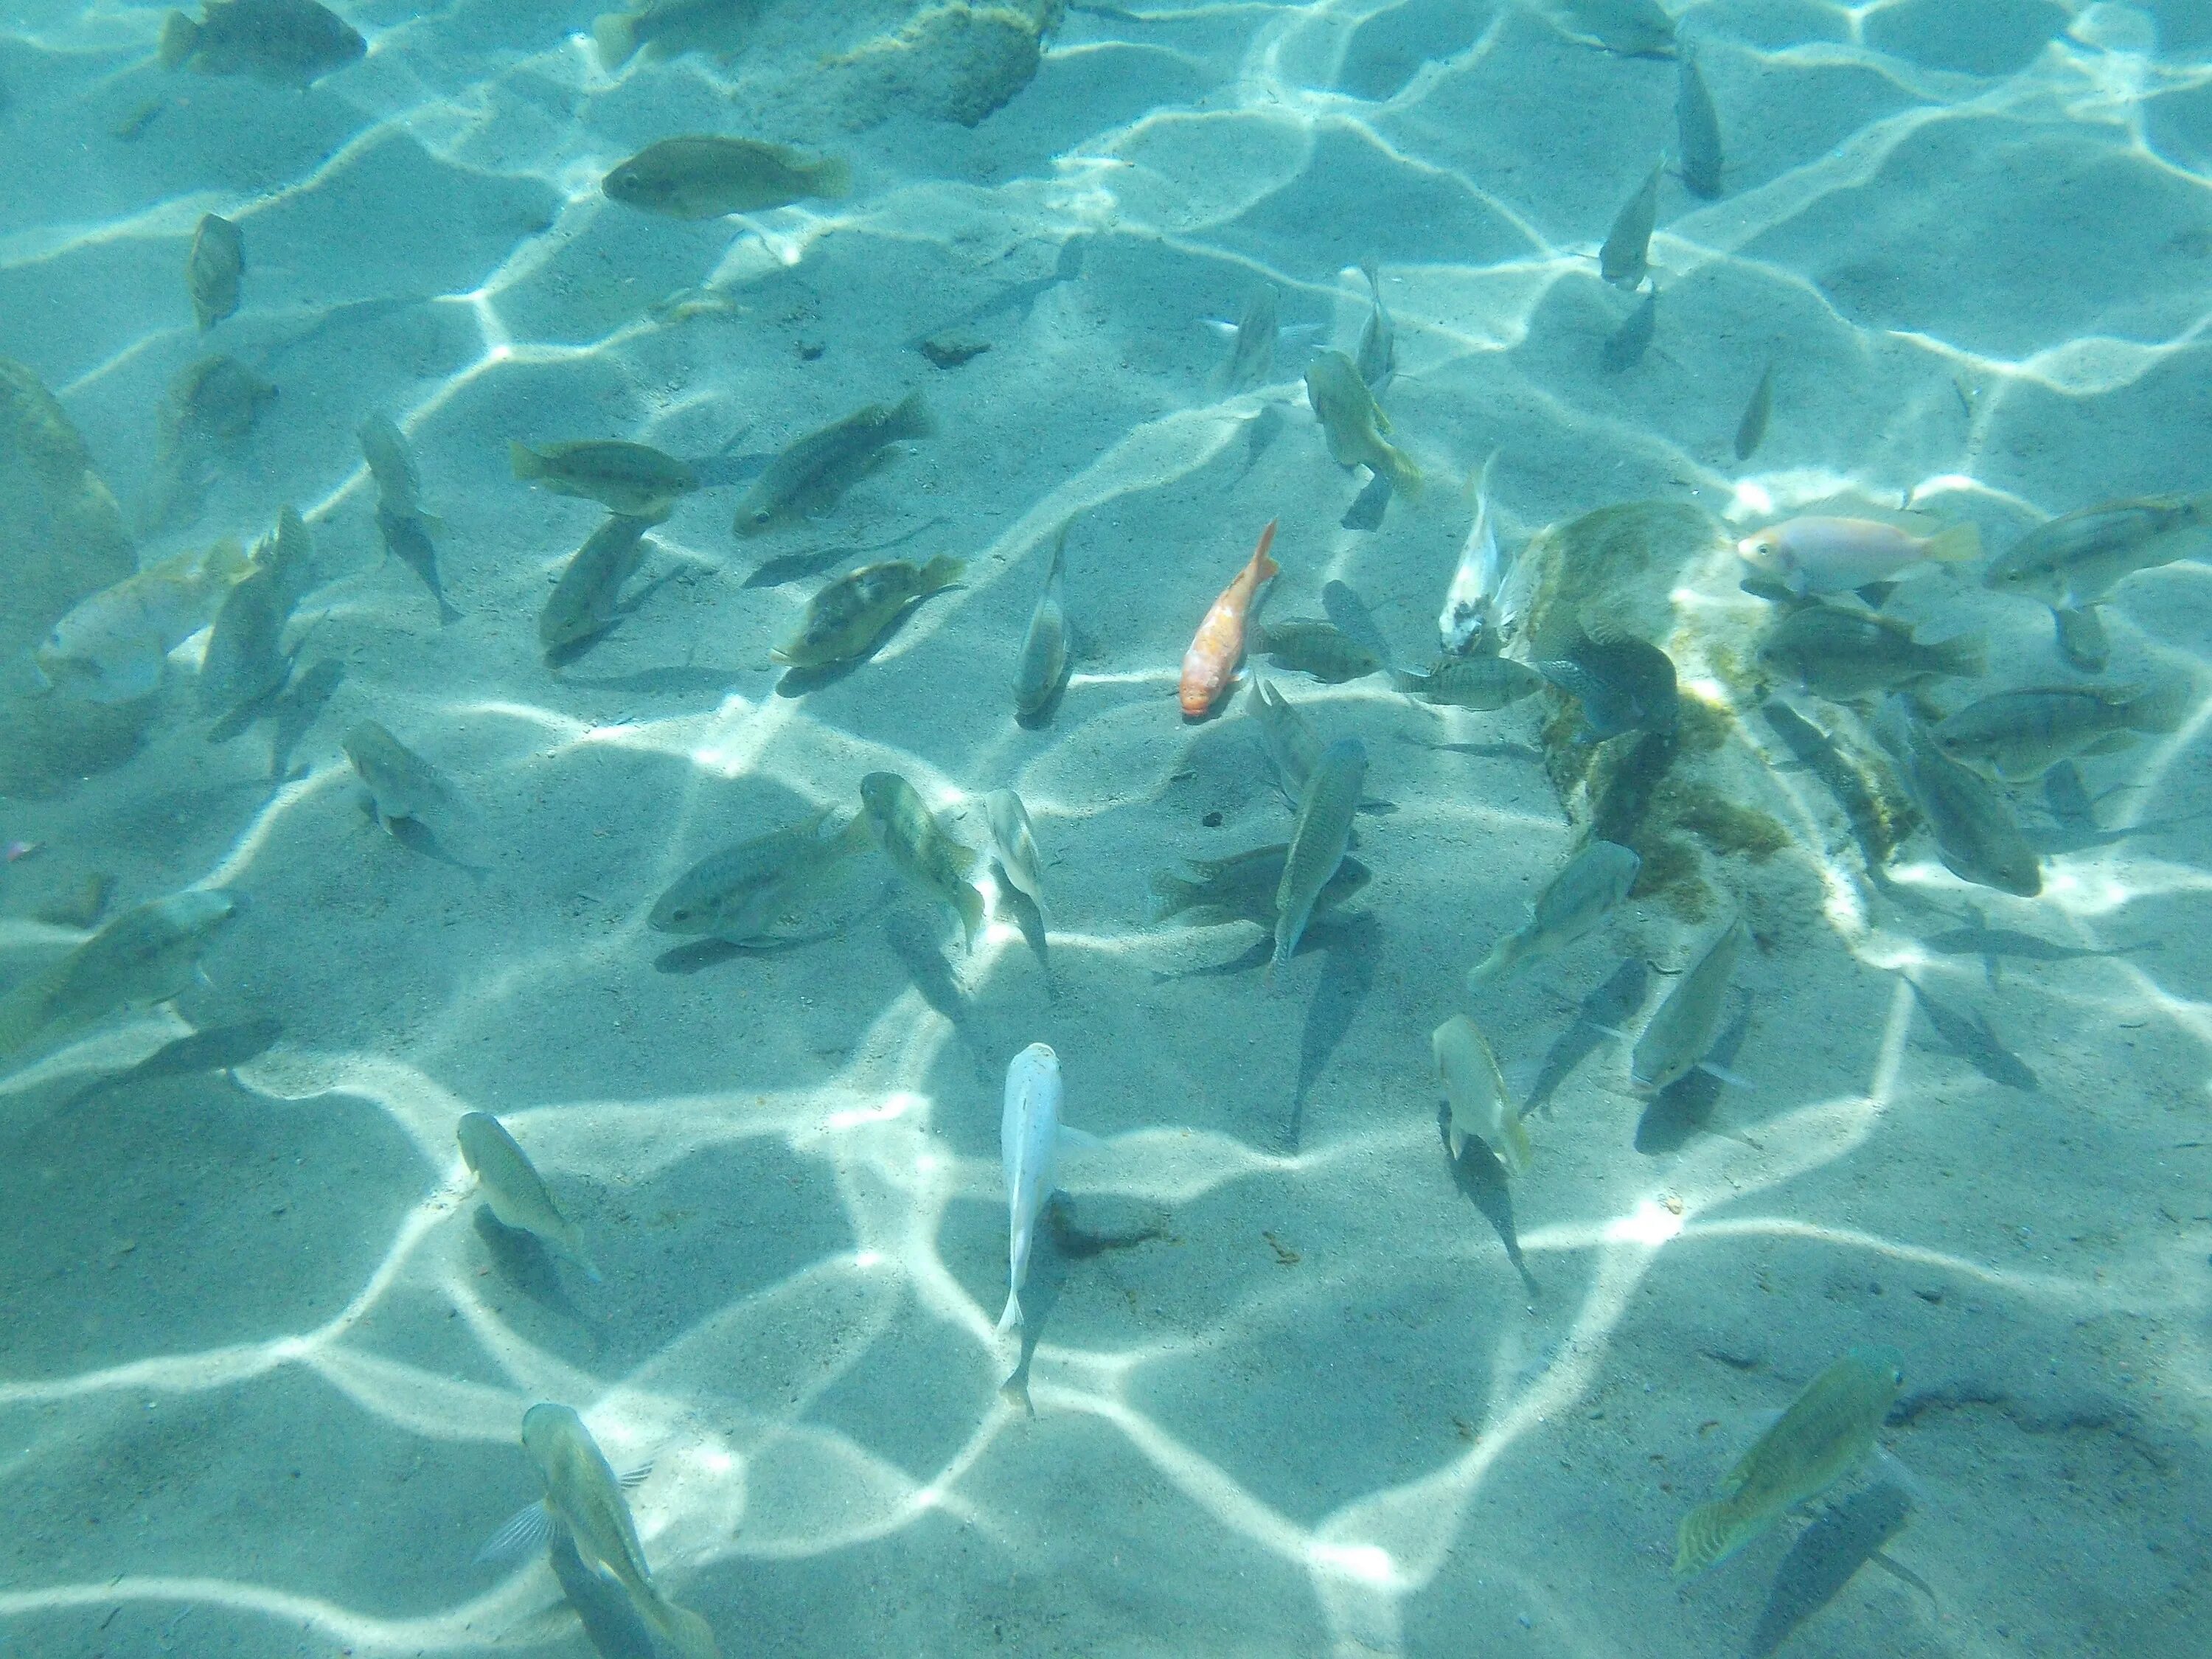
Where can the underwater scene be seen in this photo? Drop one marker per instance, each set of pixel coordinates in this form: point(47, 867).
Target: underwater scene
point(930, 827)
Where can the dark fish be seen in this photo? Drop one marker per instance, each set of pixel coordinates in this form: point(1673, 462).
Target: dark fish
point(2081, 638)
point(1603, 1013)
point(1751, 430)
point(1966, 1034)
point(810, 476)
point(1367, 507)
point(289, 42)
point(587, 601)
point(1625, 347)
point(1319, 648)
point(1471, 682)
point(845, 620)
point(1976, 835)
point(1697, 127)
point(407, 539)
point(1626, 255)
point(1842, 653)
point(707, 176)
point(1623, 683)
point(213, 268)
point(218, 1049)
point(2066, 798)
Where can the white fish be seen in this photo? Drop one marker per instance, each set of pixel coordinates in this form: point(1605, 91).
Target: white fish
point(1475, 585)
point(110, 647)
point(1015, 845)
point(1030, 1140)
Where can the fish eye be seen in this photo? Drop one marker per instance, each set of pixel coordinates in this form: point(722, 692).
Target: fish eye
point(761, 515)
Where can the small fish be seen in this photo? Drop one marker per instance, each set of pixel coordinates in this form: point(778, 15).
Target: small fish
point(1622, 683)
point(747, 894)
point(1218, 645)
point(1319, 648)
point(1378, 336)
point(1252, 355)
point(407, 539)
point(1820, 1438)
point(845, 620)
point(1353, 423)
point(392, 464)
point(1243, 888)
point(1471, 682)
point(1573, 902)
point(1968, 1036)
point(1751, 430)
point(1291, 744)
point(1481, 1109)
point(807, 479)
point(1843, 652)
point(1625, 347)
point(1681, 1029)
point(1634, 28)
point(1833, 556)
point(911, 837)
point(584, 1499)
point(1698, 129)
point(587, 601)
point(245, 659)
point(1976, 836)
point(515, 1192)
point(2016, 737)
point(2081, 638)
point(635, 479)
point(706, 177)
point(1032, 1139)
point(669, 28)
point(2077, 559)
point(286, 42)
point(1479, 575)
point(213, 270)
point(1015, 844)
point(109, 647)
point(1626, 257)
point(146, 956)
point(401, 783)
point(1041, 667)
point(1319, 842)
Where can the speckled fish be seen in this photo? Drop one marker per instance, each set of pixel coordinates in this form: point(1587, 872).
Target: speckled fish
point(1479, 575)
point(1481, 1109)
point(407, 539)
point(1621, 682)
point(1471, 682)
point(587, 598)
point(844, 620)
point(808, 477)
point(1820, 1438)
point(1218, 645)
point(1844, 653)
point(109, 647)
point(1680, 1030)
point(706, 177)
point(2018, 735)
point(1751, 429)
point(213, 270)
point(143, 956)
point(1242, 888)
point(1634, 28)
point(1042, 666)
point(286, 42)
point(911, 837)
point(401, 783)
point(390, 464)
point(515, 1192)
point(1319, 842)
point(1252, 354)
point(634, 479)
point(1321, 649)
point(1378, 336)
point(583, 1497)
point(1014, 844)
point(1573, 902)
point(1976, 836)
point(2077, 559)
point(747, 894)
point(1626, 255)
point(1291, 744)
point(1817, 554)
point(245, 661)
point(1696, 129)
point(1354, 424)
point(668, 29)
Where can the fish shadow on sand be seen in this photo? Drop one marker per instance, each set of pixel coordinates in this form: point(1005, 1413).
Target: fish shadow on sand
point(1605, 1010)
point(915, 944)
point(672, 682)
point(701, 954)
point(1030, 921)
point(797, 682)
point(1067, 1236)
point(1479, 750)
point(418, 838)
point(1685, 1107)
point(522, 1260)
point(1352, 945)
point(1967, 1033)
point(1826, 1557)
point(1477, 1173)
point(611, 1622)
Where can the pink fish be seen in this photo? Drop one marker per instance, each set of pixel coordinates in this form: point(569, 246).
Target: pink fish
point(1833, 556)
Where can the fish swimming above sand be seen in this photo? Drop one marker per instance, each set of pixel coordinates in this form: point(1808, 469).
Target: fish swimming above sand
point(1251, 357)
point(213, 270)
point(2077, 559)
point(1032, 1139)
point(390, 464)
point(1319, 842)
point(1354, 423)
point(1013, 843)
point(1291, 744)
point(1751, 429)
point(2016, 737)
point(1308, 645)
point(286, 42)
point(634, 479)
point(1572, 904)
point(1697, 128)
point(245, 659)
point(109, 647)
point(1476, 580)
point(912, 838)
point(516, 1193)
point(1825, 1433)
point(749, 894)
point(1481, 1109)
point(587, 601)
point(1377, 357)
point(1842, 653)
point(407, 539)
point(846, 619)
point(1242, 887)
point(706, 177)
point(668, 29)
point(1976, 836)
point(807, 479)
point(1681, 1030)
point(1816, 555)
point(1484, 682)
point(146, 956)
point(1040, 668)
point(1624, 258)
point(1218, 645)
point(402, 785)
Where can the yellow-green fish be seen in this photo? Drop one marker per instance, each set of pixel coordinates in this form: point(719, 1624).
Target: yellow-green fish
point(245, 661)
point(632, 479)
point(911, 837)
point(392, 464)
point(1307, 644)
point(746, 894)
point(1014, 844)
point(2018, 735)
point(1682, 1028)
point(289, 42)
point(214, 268)
point(2077, 559)
point(668, 29)
point(1976, 836)
point(1822, 1436)
point(143, 956)
point(705, 177)
point(1319, 842)
point(1353, 423)
point(806, 480)
point(1481, 1109)
point(846, 618)
point(110, 647)
point(515, 1192)
point(586, 599)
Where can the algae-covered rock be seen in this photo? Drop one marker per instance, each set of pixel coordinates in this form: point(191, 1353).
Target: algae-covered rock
point(952, 60)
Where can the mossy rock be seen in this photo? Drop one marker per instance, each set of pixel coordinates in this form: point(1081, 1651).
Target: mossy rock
point(953, 61)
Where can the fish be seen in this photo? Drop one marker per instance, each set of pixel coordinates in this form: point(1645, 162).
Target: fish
point(1481, 1109)
point(2077, 559)
point(1850, 776)
point(669, 28)
point(390, 464)
point(1218, 645)
point(109, 647)
point(1041, 668)
point(1242, 887)
point(634, 479)
point(1291, 744)
point(845, 620)
point(402, 785)
point(1634, 28)
point(218, 1049)
point(1820, 1438)
point(1015, 844)
point(1680, 1030)
point(1696, 129)
point(245, 659)
point(1626, 257)
point(1315, 647)
point(1625, 347)
point(286, 42)
point(2016, 737)
point(1842, 653)
point(146, 956)
point(1476, 580)
point(1032, 1139)
point(1378, 336)
point(583, 1497)
point(407, 539)
point(1252, 354)
point(1581, 896)
point(746, 894)
point(1471, 682)
point(807, 478)
point(586, 599)
point(2081, 638)
point(516, 1193)
point(1623, 683)
point(212, 401)
point(911, 837)
point(696, 177)
point(1319, 842)
point(1353, 423)
point(1817, 554)
point(1751, 430)
point(213, 270)
point(1976, 836)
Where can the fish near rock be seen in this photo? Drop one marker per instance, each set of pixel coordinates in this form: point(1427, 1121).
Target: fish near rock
point(636, 480)
point(1477, 577)
point(288, 43)
point(708, 177)
point(586, 599)
point(807, 479)
point(516, 1193)
point(1354, 424)
point(2016, 737)
point(1572, 904)
point(1681, 1030)
point(911, 837)
point(1041, 669)
point(146, 956)
point(1976, 836)
point(1481, 1108)
point(1842, 653)
point(110, 647)
point(1622, 683)
point(214, 269)
point(844, 621)
point(1319, 842)
point(1816, 555)
point(748, 893)
point(1218, 645)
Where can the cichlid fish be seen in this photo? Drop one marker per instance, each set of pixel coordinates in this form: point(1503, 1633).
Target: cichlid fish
point(746, 894)
point(407, 539)
point(911, 837)
point(213, 270)
point(146, 956)
point(1031, 1137)
point(1840, 652)
point(1319, 648)
point(1481, 1109)
point(1252, 354)
point(668, 29)
point(515, 1192)
point(1697, 128)
point(1015, 844)
point(1041, 667)
point(1976, 835)
point(1572, 904)
point(390, 464)
point(1291, 744)
point(635, 479)
point(699, 177)
point(1218, 645)
point(1378, 336)
point(1626, 257)
point(2077, 559)
point(2081, 638)
point(587, 598)
point(1833, 556)
point(1353, 423)
point(1623, 683)
point(1634, 28)
point(1820, 1438)
point(1681, 1029)
point(1751, 430)
point(245, 661)
point(1479, 575)
point(109, 646)
point(1625, 347)
point(807, 478)
point(2016, 737)
point(1471, 682)
point(583, 1497)
point(1243, 888)
point(401, 783)
point(844, 621)
point(1319, 842)
point(287, 42)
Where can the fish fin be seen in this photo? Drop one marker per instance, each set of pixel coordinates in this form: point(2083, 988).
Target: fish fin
point(942, 572)
point(615, 34)
point(1708, 1534)
point(1959, 543)
point(969, 903)
point(912, 418)
point(1079, 1139)
point(833, 178)
point(684, 1629)
point(526, 1533)
point(1455, 1140)
point(1011, 1319)
point(2163, 707)
point(180, 35)
point(1261, 562)
point(1409, 682)
point(526, 461)
point(1723, 1075)
point(1169, 894)
point(1963, 655)
point(631, 1479)
point(1503, 955)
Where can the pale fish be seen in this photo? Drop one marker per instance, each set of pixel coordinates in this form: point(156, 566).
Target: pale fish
point(515, 1192)
point(1697, 128)
point(1031, 1137)
point(2078, 558)
point(1681, 1029)
point(747, 894)
point(1479, 575)
point(1319, 842)
point(587, 601)
point(1572, 904)
point(1041, 668)
point(2018, 735)
point(146, 956)
point(1014, 844)
point(1481, 1110)
point(1816, 555)
point(1634, 28)
point(392, 464)
point(109, 648)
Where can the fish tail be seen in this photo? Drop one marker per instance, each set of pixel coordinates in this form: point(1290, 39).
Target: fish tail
point(969, 903)
point(2163, 707)
point(614, 33)
point(1708, 1536)
point(1962, 543)
point(1518, 1152)
point(1503, 955)
point(1404, 476)
point(942, 572)
point(1171, 893)
point(1964, 656)
point(180, 35)
point(833, 177)
point(1262, 566)
point(682, 1629)
point(527, 462)
point(910, 419)
point(1011, 1318)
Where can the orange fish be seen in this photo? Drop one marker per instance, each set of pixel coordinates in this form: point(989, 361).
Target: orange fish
point(1214, 653)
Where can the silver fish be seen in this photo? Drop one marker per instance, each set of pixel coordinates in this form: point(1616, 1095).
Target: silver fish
point(1377, 357)
point(1014, 844)
point(910, 835)
point(1479, 575)
point(1252, 356)
point(1976, 835)
point(2018, 735)
point(146, 956)
point(392, 464)
point(2077, 559)
point(1319, 842)
point(1293, 747)
point(1681, 1030)
point(746, 894)
point(1472, 682)
point(515, 1192)
point(1572, 904)
point(1042, 664)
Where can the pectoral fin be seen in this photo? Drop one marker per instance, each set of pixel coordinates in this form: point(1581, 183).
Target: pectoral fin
point(525, 1534)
